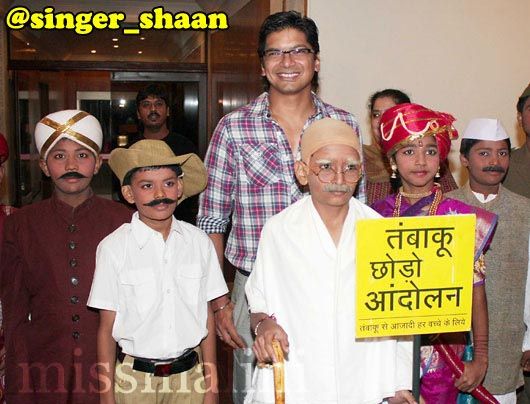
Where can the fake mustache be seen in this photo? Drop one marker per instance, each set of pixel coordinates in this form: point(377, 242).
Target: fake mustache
point(338, 188)
point(154, 202)
point(71, 174)
point(497, 169)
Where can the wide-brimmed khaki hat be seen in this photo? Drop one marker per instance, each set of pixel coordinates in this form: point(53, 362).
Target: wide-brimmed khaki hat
point(155, 153)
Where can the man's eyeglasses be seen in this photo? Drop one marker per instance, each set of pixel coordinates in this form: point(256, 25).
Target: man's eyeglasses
point(326, 173)
point(296, 53)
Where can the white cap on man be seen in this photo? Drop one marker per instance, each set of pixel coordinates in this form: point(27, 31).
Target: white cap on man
point(485, 129)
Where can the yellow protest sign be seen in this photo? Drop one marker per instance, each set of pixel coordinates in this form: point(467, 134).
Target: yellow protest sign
point(414, 275)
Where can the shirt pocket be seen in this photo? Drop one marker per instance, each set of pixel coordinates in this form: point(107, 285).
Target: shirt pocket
point(261, 163)
point(190, 284)
point(139, 290)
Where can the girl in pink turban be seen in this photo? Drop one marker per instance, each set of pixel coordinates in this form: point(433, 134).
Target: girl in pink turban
point(417, 140)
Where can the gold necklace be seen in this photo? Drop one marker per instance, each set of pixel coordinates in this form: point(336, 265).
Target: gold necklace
point(432, 209)
point(414, 196)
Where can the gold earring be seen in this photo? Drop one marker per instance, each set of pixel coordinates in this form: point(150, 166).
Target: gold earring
point(394, 171)
point(437, 175)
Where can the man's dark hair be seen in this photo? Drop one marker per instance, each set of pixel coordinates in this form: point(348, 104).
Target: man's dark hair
point(521, 102)
point(399, 97)
point(467, 144)
point(127, 179)
point(154, 90)
point(283, 20)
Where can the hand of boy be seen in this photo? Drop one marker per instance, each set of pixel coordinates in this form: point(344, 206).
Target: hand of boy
point(269, 330)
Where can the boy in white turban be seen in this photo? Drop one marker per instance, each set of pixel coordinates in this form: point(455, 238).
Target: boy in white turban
point(47, 268)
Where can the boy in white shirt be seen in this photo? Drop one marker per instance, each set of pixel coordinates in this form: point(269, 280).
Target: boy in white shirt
point(153, 282)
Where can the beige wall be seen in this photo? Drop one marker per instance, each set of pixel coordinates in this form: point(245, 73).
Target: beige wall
point(467, 57)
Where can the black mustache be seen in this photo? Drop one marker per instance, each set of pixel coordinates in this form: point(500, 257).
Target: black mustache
point(154, 202)
point(71, 174)
point(497, 169)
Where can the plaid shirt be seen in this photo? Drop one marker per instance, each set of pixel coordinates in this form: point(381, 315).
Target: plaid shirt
point(251, 175)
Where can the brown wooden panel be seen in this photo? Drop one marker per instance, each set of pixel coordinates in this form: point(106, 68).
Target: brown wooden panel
point(234, 67)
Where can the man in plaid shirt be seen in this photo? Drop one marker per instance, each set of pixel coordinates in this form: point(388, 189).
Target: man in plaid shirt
point(250, 162)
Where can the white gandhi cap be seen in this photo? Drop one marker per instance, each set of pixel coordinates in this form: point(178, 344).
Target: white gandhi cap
point(485, 129)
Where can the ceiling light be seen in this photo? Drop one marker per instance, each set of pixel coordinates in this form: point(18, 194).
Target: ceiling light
point(114, 39)
point(116, 46)
point(93, 51)
point(140, 52)
point(142, 38)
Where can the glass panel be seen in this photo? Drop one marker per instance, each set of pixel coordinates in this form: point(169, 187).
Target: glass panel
point(34, 93)
point(97, 103)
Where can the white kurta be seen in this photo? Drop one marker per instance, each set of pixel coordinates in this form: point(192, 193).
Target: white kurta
point(308, 283)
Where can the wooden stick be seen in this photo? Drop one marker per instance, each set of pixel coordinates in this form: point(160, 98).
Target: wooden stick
point(279, 374)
